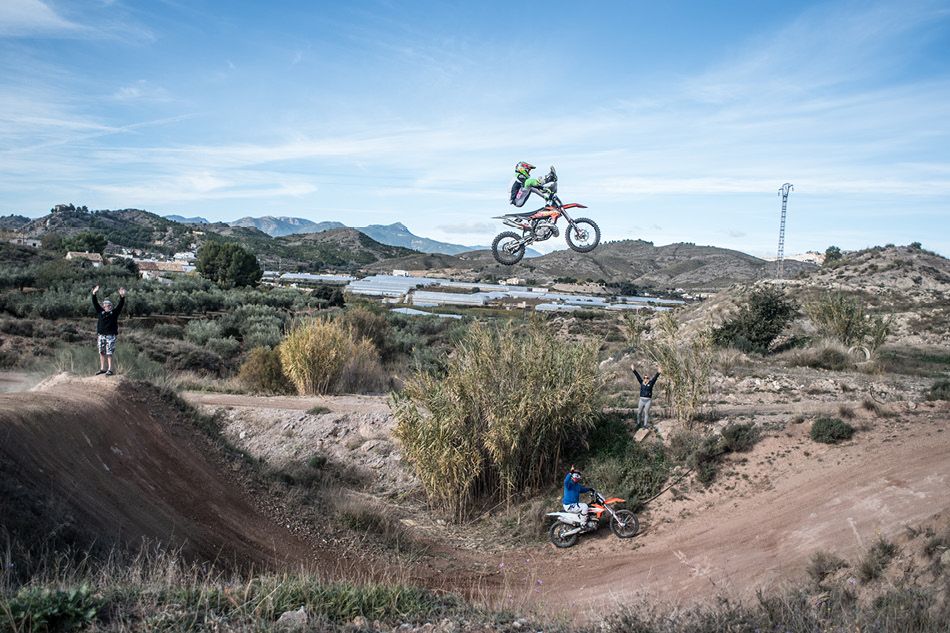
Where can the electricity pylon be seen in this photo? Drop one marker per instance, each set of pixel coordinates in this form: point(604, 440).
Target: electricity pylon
point(780, 260)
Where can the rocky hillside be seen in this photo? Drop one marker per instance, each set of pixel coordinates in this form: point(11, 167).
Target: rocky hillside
point(339, 248)
point(908, 283)
point(280, 226)
point(688, 266)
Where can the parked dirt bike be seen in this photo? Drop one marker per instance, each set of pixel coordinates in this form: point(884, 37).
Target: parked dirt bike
point(582, 234)
point(569, 525)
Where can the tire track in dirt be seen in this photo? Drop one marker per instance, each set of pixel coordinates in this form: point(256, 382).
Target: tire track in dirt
point(840, 502)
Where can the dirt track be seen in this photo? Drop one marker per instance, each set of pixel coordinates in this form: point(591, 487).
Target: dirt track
point(837, 498)
point(116, 466)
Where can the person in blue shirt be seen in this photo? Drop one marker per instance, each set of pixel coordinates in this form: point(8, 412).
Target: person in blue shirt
point(572, 493)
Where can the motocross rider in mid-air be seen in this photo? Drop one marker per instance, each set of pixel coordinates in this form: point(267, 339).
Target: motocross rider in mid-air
point(524, 184)
point(572, 493)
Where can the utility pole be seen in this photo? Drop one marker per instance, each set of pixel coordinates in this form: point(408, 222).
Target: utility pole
point(780, 260)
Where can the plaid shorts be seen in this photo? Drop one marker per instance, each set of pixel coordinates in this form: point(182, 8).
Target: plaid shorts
point(107, 344)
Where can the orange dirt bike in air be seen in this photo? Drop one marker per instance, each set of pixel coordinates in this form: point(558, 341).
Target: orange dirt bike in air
point(569, 525)
point(582, 234)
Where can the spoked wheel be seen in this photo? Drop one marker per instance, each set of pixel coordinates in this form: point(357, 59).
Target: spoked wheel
point(627, 526)
point(583, 236)
point(507, 248)
point(556, 533)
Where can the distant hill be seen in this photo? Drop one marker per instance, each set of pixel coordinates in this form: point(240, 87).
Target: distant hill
point(13, 222)
point(337, 248)
point(688, 266)
point(283, 225)
point(184, 220)
point(132, 228)
point(396, 234)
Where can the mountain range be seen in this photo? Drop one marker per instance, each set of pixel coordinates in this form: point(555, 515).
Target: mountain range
point(395, 234)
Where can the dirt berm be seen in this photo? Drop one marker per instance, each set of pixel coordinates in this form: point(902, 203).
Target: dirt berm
point(106, 463)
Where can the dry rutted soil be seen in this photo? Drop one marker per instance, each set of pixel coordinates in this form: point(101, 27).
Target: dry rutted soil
point(107, 462)
point(770, 511)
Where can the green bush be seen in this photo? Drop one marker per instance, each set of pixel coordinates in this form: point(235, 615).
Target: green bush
point(740, 437)
point(759, 322)
point(844, 318)
point(495, 425)
point(169, 330)
point(226, 348)
point(200, 331)
point(705, 460)
point(831, 430)
point(940, 390)
point(46, 609)
point(262, 372)
point(636, 475)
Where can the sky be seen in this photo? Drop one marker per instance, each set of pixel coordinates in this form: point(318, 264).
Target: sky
point(672, 121)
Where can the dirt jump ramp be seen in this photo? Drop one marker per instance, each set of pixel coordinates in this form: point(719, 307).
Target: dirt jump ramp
point(103, 462)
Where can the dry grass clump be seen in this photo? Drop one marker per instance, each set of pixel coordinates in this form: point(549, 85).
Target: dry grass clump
point(823, 564)
point(497, 422)
point(262, 372)
point(320, 355)
point(685, 364)
point(824, 354)
point(876, 559)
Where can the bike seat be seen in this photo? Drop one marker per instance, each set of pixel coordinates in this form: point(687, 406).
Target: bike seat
point(522, 214)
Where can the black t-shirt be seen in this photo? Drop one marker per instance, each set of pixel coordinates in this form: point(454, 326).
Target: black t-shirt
point(108, 323)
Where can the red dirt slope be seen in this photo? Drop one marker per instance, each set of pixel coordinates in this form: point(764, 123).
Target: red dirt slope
point(112, 462)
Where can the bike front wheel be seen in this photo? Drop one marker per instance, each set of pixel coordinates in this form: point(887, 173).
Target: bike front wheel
point(508, 248)
point(624, 524)
point(583, 235)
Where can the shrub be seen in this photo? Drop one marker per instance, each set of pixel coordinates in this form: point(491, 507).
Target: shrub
point(685, 366)
point(362, 372)
point(832, 255)
point(169, 330)
point(369, 325)
point(758, 322)
point(262, 372)
point(844, 319)
point(226, 348)
point(46, 609)
point(315, 353)
point(705, 459)
point(318, 410)
point(846, 412)
point(200, 331)
point(876, 559)
point(831, 430)
point(825, 354)
point(682, 444)
point(636, 475)
point(497, 423)
point(823, 564)
point(940, 390)
point(740, 437)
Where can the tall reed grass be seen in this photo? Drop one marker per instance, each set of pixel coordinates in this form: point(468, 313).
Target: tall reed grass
point(686, 365)
point(497, 423)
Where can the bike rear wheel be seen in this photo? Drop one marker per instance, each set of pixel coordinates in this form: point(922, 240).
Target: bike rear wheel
point(556, 534)
point(627, 526)
point(583, 236)
point(507, 248)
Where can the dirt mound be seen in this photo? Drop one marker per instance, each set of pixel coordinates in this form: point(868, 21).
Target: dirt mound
point(103, 463)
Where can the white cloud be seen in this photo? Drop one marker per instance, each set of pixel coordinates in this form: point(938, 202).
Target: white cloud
point(19, 18)
point(141, 90)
